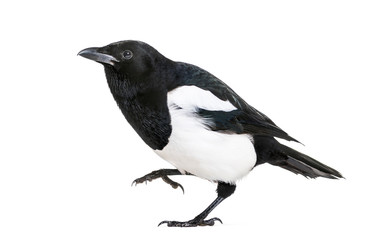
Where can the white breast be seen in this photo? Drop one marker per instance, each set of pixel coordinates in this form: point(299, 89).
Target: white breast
point(196, 149)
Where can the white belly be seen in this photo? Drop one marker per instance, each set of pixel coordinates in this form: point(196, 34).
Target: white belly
point(211, 155)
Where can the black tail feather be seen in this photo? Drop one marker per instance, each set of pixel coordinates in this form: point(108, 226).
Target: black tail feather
point(269, 150)
point(300, 163)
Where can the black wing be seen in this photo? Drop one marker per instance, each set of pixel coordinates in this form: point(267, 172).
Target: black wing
point(237, 121)
point(244, 120)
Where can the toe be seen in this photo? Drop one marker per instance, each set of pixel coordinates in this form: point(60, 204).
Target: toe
point(211, 221)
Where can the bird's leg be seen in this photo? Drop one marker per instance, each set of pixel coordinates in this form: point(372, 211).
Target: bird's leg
point(224, 190)
point(163, 174)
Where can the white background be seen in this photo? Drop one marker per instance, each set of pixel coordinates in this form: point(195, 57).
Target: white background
point(68, 157)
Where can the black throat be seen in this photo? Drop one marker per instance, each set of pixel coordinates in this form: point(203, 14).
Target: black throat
point(143, 105)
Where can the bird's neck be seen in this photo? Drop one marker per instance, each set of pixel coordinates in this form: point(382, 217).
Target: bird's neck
point(144, 108)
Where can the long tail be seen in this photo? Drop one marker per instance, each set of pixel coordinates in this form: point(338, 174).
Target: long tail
point(300, 163)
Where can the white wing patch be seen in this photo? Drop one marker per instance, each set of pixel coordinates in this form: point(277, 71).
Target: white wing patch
point(196, 149)
point(192, 97)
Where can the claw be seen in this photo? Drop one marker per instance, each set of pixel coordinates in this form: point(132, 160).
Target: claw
point(173, 184)
point(134, 182)
point(145, 179)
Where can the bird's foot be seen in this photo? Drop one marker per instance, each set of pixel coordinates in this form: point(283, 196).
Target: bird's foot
point(158, 174)
point(192, 223)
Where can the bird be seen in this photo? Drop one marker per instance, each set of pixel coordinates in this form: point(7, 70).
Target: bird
point(196, 122)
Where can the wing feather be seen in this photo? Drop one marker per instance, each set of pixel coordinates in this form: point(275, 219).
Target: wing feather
point(244, 119)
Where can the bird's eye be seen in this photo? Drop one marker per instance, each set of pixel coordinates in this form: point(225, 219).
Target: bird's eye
point(127, 54)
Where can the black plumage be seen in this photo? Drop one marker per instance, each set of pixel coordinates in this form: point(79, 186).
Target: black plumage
point(144, 82)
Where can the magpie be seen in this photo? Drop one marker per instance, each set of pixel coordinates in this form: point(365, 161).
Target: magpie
point(196, 122)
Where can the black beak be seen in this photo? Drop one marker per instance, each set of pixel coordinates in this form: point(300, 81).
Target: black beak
point(94, 54)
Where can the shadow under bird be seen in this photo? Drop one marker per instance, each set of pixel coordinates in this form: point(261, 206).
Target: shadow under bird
point(195, 121)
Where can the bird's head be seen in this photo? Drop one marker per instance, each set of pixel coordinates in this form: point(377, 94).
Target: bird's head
point(130, 66)
point(132, 58)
